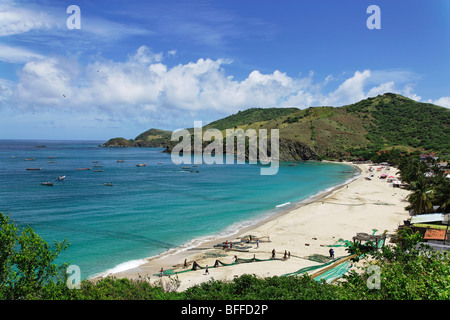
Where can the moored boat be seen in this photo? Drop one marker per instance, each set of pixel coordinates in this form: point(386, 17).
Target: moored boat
point(48, 183)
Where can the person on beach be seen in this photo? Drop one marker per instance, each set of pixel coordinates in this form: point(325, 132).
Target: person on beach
point(185, 263)
point(206, 270)
point(161, 272)
point(331, 253)
point(194, 265)
point(273, 254)
point(257, 243)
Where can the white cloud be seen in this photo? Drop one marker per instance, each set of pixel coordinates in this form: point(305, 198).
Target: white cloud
point(15, 20)
point(443, 102)
point(143, 88)
point(17, 55)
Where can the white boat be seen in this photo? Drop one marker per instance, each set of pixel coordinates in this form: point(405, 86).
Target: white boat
point(61, 178)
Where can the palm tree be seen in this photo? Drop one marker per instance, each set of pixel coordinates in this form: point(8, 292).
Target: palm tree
point(420, 198)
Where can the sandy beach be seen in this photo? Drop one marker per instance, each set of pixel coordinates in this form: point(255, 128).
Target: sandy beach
point(305, 230)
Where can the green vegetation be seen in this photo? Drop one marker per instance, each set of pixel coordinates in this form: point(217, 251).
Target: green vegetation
point(249, 117)
point(26, 268)
point(359, 130)
point(153, 138)
point(428, 184)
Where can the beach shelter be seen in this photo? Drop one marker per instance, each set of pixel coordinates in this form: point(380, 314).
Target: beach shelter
point(429, 218)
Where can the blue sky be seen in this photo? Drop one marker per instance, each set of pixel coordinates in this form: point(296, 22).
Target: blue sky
point(135, 65)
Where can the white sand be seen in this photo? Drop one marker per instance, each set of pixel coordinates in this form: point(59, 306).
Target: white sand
point(360, 206)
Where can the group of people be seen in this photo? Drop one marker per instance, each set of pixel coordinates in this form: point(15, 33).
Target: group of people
point(287, 254)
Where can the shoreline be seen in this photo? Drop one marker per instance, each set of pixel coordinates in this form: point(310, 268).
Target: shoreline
point(303, 230)
point(201, 244)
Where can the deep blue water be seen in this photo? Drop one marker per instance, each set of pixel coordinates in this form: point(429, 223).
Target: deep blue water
point(148, 210)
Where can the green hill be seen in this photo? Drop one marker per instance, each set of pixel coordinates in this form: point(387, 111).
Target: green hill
point(370, 125)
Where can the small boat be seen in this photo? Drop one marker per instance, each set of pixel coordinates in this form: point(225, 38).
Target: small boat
point(47, 184)
point(98, 166)
point(61, 178)
point(292, 164)
point(98, 171)
point(107, 184)
point(80, 169)
point(33, 169)
point(40, 146)
point(50, 161)
point(160, 163)
point(194, 171)
point(51, 157)
point(94, 161)
point(141, 165)
point(185, 168)
point(29, 159)
point(120, 160)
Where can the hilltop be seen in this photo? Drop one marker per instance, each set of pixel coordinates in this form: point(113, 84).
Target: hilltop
point(370, 125)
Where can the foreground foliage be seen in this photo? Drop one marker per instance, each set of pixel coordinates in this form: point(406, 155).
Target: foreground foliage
point(27, 272)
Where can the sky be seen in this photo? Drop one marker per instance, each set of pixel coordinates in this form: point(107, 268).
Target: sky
point(119, 68)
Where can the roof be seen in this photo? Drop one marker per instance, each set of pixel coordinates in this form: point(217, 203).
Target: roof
point(431, 217)
point(435, 234)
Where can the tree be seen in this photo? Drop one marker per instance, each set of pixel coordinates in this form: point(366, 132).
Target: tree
point(26, 262)
point(420, 198)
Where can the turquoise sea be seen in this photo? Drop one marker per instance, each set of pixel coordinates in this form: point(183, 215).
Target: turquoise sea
point(148, 210)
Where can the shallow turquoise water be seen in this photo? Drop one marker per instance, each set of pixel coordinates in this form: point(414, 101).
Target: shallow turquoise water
point(148, 210)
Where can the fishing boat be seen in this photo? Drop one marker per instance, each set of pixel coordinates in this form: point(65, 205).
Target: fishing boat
point(33, 169)
point(141, 165)
point(185, 168)
point(120, 160)
point(61, 178)
point(47, 183)
point(107, 184)
point(98, 170)
point(29, 159)
point(94, 161)
point(98, 166)
point(80, 169)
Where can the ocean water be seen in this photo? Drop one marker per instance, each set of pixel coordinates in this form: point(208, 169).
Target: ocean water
point(148, 210)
